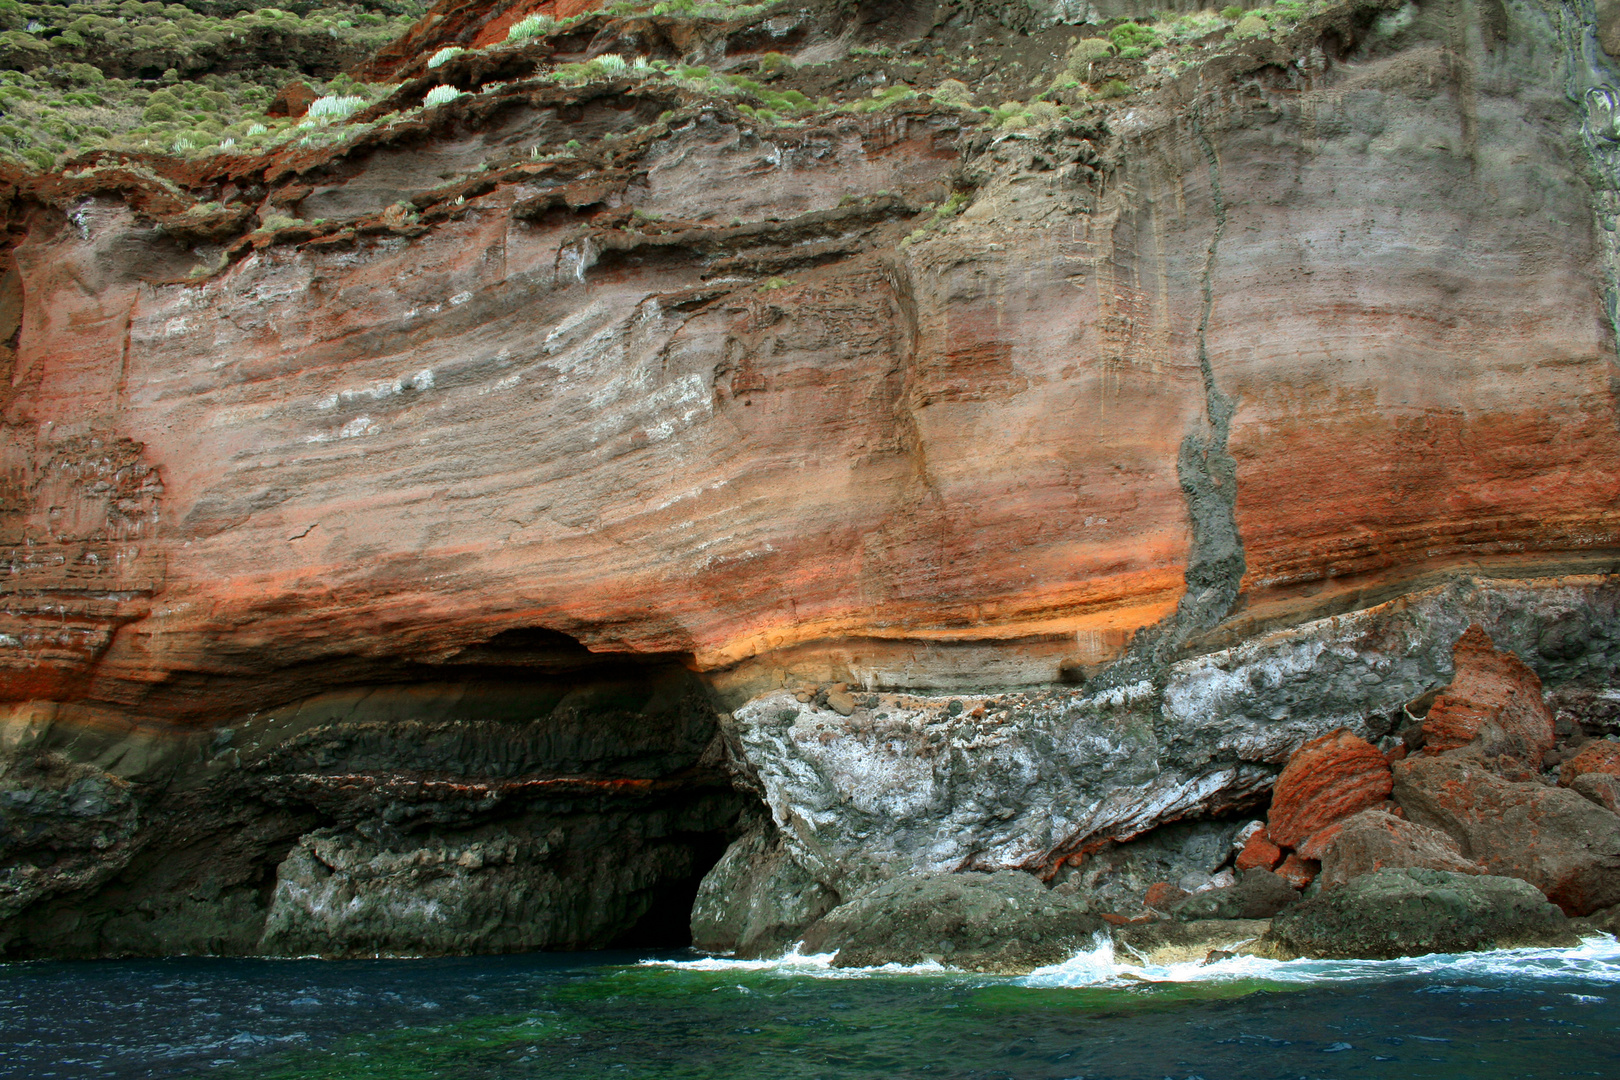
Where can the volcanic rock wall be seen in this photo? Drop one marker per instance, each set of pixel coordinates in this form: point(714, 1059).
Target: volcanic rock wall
point(1235, 399)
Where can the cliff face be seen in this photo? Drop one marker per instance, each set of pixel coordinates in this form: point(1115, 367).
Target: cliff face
point(1138, 390)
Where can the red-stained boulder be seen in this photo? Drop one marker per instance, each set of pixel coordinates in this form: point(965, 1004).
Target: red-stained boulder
point(1259, 851)
point(293, 100)
point(1492, 693)
point(1373, 840)
point(1598, 756)
point(1162, 896)
point(1327, 779)
point(1598, 787)
point(1563, 844)
point(1299, 872)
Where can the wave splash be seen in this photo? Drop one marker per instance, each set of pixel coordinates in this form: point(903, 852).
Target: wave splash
point(1594, 960)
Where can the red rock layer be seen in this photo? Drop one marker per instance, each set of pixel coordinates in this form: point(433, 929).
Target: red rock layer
point(1327, 779)
point(393, 440)
point(1490, 689)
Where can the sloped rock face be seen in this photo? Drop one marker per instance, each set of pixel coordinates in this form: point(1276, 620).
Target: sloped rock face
point(1038, 780)
point(757, 899)
point(1202, 430)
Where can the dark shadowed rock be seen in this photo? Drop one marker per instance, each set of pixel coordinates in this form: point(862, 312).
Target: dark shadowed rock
point(1297, 871)
point(293, 100)
point(1182, 855)
point(757, 899)
point(1374, 840)
point(1412, 912)
point(1258, 894)
point(1566, 846)
point(1007, 921)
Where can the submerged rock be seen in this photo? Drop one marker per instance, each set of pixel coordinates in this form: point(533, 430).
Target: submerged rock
point(1004, 922)
point(1411, 912)
point(1194, 941)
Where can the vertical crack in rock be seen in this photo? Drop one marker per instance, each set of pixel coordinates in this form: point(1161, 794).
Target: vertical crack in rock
point(1208, 475)
point(1591, 85)
point(1207, 472)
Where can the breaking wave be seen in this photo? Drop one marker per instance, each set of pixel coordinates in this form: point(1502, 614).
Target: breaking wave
point(1595, 960)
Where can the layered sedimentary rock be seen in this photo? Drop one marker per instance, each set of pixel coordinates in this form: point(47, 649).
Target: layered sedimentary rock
point(1106, 458)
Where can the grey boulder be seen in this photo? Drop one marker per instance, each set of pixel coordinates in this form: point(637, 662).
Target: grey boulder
point(1004, 922)
point(1412, 912)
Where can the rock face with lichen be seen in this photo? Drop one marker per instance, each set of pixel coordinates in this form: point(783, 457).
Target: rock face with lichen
point(498, 508)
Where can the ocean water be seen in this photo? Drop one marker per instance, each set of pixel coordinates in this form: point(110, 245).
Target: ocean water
point(1518, 1013)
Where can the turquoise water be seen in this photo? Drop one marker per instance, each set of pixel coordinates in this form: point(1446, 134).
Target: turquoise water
point(1530, 1013)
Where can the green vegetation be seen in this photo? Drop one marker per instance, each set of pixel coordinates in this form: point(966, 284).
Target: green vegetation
point(166, 77)
point(1133, 40)
point(1087, 51)
point(440, 95)
point(447, 53)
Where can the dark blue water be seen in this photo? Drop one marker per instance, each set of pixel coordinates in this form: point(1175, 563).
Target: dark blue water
point(1529, 1014)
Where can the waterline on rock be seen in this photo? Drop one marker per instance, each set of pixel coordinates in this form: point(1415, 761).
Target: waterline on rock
point(1595, 959)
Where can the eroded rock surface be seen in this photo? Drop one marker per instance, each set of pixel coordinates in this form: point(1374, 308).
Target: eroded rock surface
point(1007, 921)
point(1493, 696)
point(1326, 780)
point(1373, 840)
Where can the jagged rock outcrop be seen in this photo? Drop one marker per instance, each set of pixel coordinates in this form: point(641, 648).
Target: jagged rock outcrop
point(1495, 697)
point(1107, 449)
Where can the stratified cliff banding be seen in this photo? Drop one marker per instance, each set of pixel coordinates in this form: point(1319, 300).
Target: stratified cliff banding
point(891, 396)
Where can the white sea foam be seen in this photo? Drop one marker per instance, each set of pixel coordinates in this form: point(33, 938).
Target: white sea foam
point(794, 962)
point(1594, 960)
